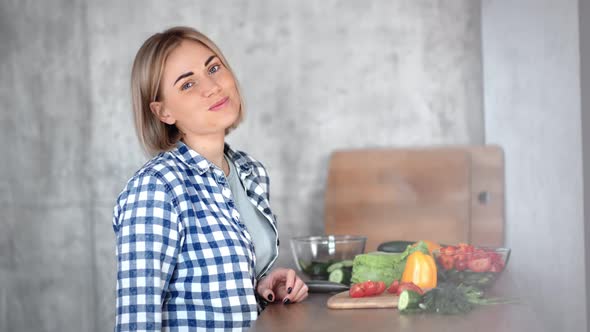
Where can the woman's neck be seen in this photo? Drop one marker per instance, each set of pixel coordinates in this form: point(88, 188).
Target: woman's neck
point(209, 146)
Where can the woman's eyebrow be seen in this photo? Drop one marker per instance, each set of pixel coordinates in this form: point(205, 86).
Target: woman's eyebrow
point(209, 59)
point(183, 76)
point(191, 73)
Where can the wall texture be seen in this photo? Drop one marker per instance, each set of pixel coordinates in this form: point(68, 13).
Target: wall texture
point(380, 73)
point(532, 108)
point(584, 8)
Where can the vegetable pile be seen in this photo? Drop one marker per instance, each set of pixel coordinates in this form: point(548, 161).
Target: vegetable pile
point(414, 276)
point(469, 265)
point(446, 299)
point(382, 266)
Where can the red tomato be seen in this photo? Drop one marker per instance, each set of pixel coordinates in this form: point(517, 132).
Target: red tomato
point(450, 250)
point(409, 286)
point(380, 287)
point(371, 288)
point(356, 291)
point(460, 265)
point(480, 254)
point(480, 264)
point(393, 287)
point(461, 257)
point(464, 247)
point(497, 266)
point(446, 261)
point(495, 257)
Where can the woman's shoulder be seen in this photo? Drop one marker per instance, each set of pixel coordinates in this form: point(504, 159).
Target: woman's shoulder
point(163, 169)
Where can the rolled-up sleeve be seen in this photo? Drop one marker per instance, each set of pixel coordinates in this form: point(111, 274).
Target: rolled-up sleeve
point(148, 234)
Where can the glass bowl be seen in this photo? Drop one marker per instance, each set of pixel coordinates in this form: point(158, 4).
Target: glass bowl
point(314, 254)
point(469, 265)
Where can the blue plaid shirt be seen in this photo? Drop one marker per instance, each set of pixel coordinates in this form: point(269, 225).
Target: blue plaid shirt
point(185, 260)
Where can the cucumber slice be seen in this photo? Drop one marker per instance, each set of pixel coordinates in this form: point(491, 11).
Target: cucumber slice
point(408, 300)
point(334, 267)
point(339, 265)
point(347, 263)
point(341, 276)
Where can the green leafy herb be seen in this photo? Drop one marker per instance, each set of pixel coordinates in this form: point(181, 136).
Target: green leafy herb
point(450, 299)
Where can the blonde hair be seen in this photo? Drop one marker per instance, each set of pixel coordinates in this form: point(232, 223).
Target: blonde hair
point(146, 74)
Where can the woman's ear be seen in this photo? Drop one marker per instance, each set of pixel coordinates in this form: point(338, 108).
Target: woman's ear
point(161, 113)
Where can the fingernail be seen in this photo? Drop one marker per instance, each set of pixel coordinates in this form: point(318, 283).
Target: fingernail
point(270, 297)
point(289, 290)
point(287, 301)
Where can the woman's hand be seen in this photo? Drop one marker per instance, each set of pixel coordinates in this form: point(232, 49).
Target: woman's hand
point(282, 285)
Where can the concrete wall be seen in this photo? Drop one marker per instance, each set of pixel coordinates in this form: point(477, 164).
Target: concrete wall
point(532, 108)
point(380, 73)
point(46, 244)
point(584, 9)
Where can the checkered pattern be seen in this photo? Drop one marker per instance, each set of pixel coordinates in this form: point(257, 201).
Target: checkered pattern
point(185, 260)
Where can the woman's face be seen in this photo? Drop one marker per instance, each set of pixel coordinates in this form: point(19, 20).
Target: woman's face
point(198, 93)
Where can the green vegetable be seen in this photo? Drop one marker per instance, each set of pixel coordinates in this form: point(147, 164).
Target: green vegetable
point(394, 246)
point(317, 270)
point(450, 299)
point(339, 265)
point(377, 266)
point(469, 278)
point(408, 300)
point(341, 276)
point(420, 246)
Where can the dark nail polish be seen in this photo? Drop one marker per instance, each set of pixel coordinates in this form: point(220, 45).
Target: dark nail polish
point(289, 290)
point(287, 301)
point(270, 297)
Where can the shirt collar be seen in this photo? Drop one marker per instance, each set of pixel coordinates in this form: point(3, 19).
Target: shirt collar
point(239, 160)
point(191, 158)
point(195, 160)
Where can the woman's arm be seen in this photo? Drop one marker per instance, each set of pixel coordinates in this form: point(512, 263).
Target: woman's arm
point(148, 235)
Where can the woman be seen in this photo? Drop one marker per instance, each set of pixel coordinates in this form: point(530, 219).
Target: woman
point(196, 237)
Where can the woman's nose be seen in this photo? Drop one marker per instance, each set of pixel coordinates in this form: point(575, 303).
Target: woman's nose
point(210, 87)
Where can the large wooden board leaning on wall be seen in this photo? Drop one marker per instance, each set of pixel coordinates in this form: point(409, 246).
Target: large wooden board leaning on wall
point(445, 194)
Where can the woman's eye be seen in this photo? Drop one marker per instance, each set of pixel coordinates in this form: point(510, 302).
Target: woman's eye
point(214, 69)
point(187, 85)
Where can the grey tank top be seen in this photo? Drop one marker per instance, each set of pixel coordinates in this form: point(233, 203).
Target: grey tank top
point(262, 233)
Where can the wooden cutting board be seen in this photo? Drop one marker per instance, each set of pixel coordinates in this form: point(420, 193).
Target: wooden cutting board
point(344, 301)
point(445, 194)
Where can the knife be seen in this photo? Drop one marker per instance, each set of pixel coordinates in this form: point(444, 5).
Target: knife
point(323, 286)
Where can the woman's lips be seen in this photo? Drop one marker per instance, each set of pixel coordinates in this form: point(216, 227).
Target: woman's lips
point(219, 105)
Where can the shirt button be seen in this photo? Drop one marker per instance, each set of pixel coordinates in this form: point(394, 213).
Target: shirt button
point(221, 180)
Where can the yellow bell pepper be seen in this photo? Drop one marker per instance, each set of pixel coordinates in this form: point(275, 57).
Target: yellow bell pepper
point(421, 270)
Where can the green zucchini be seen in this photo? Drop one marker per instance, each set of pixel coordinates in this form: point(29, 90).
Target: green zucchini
point(394, 246)
point(408, 300)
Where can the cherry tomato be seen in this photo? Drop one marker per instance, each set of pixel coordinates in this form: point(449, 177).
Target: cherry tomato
point(446, 261)
point(393, 287)
point(461, 257)
point(460, 265)
point(356, 291)
point(380, 287)
point(371, 288)
point(465, 247)
point(495, 257)
point(450, 250)
point(480, 264)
